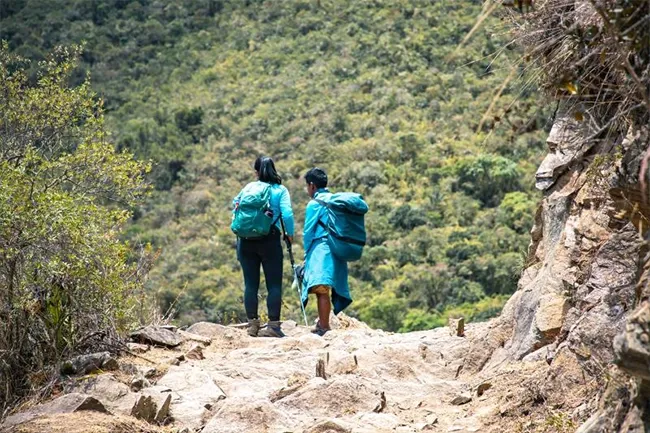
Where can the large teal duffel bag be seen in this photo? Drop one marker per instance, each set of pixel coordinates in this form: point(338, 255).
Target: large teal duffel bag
point(345, 224)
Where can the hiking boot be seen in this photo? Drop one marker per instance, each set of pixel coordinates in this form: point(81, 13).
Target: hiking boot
point(273, 329)
point(253, 327)
point(319, 330)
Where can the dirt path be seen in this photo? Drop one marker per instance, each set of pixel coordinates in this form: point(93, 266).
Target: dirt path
point(374, 381)
point(352, 380)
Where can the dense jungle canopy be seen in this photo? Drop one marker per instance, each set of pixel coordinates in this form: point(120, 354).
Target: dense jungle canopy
point(440, 134)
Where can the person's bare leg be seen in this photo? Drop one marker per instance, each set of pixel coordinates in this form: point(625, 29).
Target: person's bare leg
point(324, 308)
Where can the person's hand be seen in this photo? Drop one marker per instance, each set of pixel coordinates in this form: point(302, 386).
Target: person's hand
point(290, 239)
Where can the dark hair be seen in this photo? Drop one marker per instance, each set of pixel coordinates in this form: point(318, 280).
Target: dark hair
point(266, 172)
point(317, 176)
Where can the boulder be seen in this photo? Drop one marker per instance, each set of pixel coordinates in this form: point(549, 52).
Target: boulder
point(151, 404)
point(156, 335)
point(162, 398)
point(550, 315)
point(105, 388)
point(189, 336)
point(68, 403)
point(209, 330)
point(90, 363)
point(585, 250)
point(193, 390)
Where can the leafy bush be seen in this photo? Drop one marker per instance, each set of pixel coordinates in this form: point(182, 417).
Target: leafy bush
point(66, 280)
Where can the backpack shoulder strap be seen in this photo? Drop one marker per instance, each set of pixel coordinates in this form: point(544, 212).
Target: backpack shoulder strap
point(322, 203)
point(326, 206)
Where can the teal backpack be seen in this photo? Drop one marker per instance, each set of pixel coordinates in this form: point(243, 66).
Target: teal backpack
point(345, 224)
point(253, 216)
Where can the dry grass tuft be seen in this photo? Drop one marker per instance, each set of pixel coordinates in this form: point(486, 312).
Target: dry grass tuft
point(594, 54)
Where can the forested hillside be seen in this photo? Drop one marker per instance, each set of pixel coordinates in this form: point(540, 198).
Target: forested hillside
point(440, 136)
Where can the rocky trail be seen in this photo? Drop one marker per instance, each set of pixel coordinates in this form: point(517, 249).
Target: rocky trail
point(217, 379)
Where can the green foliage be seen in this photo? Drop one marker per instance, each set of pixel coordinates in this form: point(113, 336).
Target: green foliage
point(367, 90)
point(418, 320)
point(65, 277)
point(487, 177)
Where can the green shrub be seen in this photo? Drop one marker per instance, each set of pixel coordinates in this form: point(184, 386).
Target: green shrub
point(66, 280)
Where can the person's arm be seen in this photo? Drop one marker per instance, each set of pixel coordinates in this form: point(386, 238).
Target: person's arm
point(312, 215)
point(287, 212)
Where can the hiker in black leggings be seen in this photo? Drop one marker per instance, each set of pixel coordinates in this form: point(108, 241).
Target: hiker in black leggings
point(267, 252)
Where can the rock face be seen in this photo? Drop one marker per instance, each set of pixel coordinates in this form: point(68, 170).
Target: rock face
point(580, 284)
point(584, 257)
point(633, 346)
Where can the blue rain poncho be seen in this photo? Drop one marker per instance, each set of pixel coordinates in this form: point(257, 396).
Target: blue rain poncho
point(321, 267)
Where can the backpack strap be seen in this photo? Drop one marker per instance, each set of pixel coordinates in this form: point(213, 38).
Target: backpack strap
point(320, 221)
point(322, 203)
point(275, 221)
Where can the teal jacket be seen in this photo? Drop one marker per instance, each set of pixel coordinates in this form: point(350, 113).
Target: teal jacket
point(321, 267)
point(280, 202)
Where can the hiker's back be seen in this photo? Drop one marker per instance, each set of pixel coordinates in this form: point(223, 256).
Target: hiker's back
point(259, 210)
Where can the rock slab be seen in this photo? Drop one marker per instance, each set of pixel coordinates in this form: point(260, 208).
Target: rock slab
point(90, 363)
point(208, 330)
point(193, 391)
point(68, 403)
point(157, 336)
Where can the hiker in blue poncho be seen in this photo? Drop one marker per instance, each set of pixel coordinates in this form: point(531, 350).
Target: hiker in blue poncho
point(265, 250)
point(325, 275)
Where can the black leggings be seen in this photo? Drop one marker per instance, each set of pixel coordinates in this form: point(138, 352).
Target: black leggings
point(268, 253)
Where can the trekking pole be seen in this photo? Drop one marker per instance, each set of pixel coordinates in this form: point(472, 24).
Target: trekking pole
point(293, 268)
